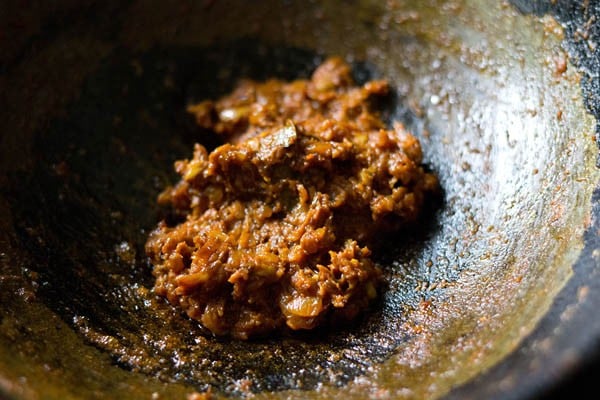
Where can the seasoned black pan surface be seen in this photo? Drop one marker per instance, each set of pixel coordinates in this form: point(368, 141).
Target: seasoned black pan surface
point(492, 297)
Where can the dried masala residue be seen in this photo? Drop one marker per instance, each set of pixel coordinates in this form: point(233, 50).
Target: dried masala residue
point(276, 222)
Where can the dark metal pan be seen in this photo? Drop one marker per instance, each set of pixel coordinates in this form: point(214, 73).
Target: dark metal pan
point(495, 296)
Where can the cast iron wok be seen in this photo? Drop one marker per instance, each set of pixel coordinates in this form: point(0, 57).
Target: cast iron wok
point(494, 296)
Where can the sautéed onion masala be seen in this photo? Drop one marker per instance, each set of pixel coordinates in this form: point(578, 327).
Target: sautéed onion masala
point(276, 224)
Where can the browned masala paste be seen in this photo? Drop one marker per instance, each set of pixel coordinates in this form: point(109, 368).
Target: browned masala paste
point(278, 219)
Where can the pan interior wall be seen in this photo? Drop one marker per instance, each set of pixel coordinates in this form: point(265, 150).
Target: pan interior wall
point(98, 116)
